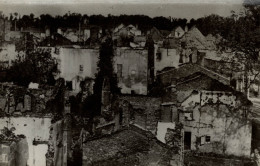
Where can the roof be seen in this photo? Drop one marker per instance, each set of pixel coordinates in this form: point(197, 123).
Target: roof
point(194, 38)
point(33, 30)
point(123, 144)
point(165, 32)
point(139, 39)
point(156, 34)
point(189, 69)
point(183, 95)
point(118, 28)
point(216, 56)
point(111, 146)
point(199, 82)
point(55, 39)
point(178, 29)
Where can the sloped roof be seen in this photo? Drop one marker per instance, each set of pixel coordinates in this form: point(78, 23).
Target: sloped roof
point(212, 85)
point(194, 38)
point(127, 142)
point(139, 39)
point(176, 29)
point(156, 34)
point(189, 69)
point(216, 56)
point(165, 32)
point(54, 40)
point(33, 30)
point(116, 29)
point(183, 95)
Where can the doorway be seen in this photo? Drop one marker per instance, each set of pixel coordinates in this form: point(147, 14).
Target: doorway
point(187, 140)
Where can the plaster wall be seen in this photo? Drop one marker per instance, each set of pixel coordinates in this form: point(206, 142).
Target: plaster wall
point(134, 70)
point(34, 129)
point(214, 116)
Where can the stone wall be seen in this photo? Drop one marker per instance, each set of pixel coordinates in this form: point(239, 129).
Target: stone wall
point(19, 101)
point(142, 111)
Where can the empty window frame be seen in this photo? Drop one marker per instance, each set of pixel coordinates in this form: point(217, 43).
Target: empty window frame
point(204, 139)
point(158, 56)
point(188, 116)
point(81, 68)
point(119, 70)
point(207, 139)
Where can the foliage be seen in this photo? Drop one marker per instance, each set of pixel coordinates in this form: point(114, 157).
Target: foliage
point(106, 70)
point(8, 135)
point(35, 66)
point(240, 37)
point(25, 44)
point(73, 20)
point(243, 41)
point(105, 66)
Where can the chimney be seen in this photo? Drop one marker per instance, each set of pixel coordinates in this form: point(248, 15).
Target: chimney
point(47, 32)
point(59, 31)
point(186, 28)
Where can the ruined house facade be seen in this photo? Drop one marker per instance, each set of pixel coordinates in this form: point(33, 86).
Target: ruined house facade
point(28, 115)
point(5, 26)
point(7, 55)
point(215, 117)
point(7, 157)
point(214, 122)
point(76, 65)
point(131, 67)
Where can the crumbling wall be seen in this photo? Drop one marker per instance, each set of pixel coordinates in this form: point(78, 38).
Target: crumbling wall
point(59, 146)
point(20, 101)
point(166, 58)
point(212, 97)
point(142, 111)
point(217, 124)
point(35, 129)
point(14, 153)
point(72, 59)
point(131, 66)
point(7, 55)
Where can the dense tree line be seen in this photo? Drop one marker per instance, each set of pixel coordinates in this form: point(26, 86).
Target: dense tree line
point(212, 24)
point(73, 20)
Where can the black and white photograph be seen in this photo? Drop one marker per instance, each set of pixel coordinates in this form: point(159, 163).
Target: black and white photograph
point(129, 83)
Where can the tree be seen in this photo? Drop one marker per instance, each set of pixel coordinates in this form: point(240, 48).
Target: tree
point(105, 69)
point(242, 39)
point(35, 66)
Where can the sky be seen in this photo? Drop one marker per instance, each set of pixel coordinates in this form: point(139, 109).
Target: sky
point(174, 8)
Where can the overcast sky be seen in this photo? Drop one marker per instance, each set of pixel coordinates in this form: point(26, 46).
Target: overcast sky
point(174, 8)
